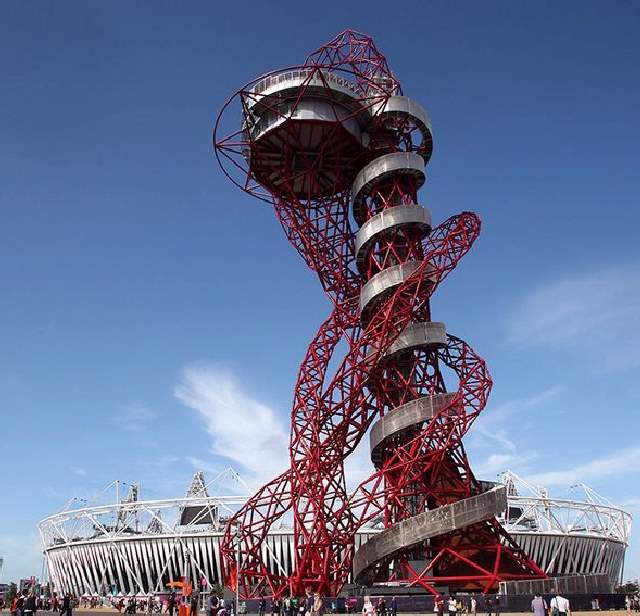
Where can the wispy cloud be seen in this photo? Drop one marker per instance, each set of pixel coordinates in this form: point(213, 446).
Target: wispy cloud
point(502, 412)
point(595, 310)
point(246, 431)
point(620, 463)
point(135, 417)
point(77, 470)
point(631, 503)
point(241, 428)
point(491, 441)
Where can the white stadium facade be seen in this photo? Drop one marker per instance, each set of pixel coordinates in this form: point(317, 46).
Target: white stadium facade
point(138, 546)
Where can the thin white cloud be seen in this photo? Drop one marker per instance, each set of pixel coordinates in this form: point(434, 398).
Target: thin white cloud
point(490, 440)
point(502, 412)
point(135, 417)
point(497, 463)
point(597, 310)
point(620, 463)
point(77, 470)
point(241, 428)
point(247, 431)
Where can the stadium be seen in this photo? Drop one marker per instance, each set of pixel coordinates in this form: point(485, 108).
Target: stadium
point(139, 546)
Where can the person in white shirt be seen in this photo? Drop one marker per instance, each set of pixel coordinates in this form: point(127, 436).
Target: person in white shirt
point(452, 607)
point(367, 607)
point(560, 606)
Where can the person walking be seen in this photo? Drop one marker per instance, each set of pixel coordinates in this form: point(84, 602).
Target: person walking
point(539, 606)
point(67, 605)
point(560, 606)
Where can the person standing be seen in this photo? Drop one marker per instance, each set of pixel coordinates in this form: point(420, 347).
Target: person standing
point(171, 602)
point(30, 605)
point(195, 601)
point(474, 606)
point(560, 606)
point(382, 607)
point(497, 605)
point(451, 606)
point(367, 607)
point(488, 604)
point(22, 598)
point(262, 606)
point(308, 604)
point(539, 606)
point(393, 606)
point(214, 604)
point(317, 608)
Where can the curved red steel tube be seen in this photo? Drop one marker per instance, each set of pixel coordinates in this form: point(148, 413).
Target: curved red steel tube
point(424, 469)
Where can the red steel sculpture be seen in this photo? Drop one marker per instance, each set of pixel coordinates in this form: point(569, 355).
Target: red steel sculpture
point(340, 154)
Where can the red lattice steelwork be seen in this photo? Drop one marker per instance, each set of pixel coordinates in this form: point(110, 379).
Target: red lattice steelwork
point(339, 153)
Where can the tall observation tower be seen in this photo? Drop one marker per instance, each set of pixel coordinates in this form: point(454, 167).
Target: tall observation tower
point(340, 153)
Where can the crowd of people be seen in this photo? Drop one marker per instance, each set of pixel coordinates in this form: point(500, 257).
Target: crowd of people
point(379, 608)
point(632, 603)
point(312, 604)
point(27, 603)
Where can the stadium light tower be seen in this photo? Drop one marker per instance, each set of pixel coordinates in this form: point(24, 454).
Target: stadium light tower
point(339, 152)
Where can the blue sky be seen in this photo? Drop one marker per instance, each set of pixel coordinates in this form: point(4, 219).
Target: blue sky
point(152, 317)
